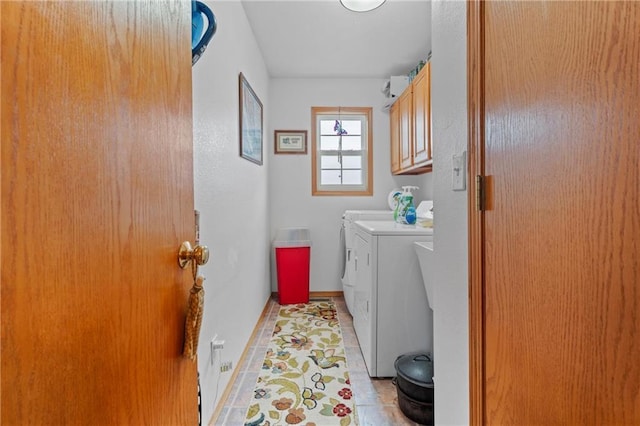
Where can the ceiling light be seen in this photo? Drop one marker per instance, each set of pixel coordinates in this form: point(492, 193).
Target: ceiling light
point(361, 5)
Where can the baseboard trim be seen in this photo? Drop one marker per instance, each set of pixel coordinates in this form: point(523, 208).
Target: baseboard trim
point(314, 294)
point(236, 371)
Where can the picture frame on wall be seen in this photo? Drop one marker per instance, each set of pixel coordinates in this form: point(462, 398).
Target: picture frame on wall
point(250, 122)
point(290, 141)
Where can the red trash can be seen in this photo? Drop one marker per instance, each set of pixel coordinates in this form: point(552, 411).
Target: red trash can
point(293, 256)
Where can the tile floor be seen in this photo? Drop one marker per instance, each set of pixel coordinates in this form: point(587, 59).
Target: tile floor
point(376, 400)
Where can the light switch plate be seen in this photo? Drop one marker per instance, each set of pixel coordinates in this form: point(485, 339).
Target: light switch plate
point(459, 172)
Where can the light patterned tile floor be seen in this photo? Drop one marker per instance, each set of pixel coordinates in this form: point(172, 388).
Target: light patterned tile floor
point(376, 399)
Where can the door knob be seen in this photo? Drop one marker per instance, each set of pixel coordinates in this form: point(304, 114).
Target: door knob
point(199, 254)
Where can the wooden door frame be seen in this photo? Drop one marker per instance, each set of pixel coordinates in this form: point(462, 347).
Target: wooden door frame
point(475, 111)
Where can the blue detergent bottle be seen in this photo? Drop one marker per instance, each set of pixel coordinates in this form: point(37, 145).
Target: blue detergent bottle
point(406, 209)
point(411, 215)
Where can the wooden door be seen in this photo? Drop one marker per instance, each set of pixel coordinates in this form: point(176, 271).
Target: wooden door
point(555, 291)
point(97, 194)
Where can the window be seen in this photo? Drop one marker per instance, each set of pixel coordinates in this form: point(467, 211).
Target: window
point(342, 157)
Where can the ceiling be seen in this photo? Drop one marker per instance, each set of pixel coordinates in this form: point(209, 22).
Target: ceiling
point(322, 39)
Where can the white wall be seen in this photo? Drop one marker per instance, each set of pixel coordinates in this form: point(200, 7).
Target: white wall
point(449, 104)
point(243, 204)
point(232, 196)
point(291, 203)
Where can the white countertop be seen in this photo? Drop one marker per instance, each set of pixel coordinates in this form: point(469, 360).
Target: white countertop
point(389, 227)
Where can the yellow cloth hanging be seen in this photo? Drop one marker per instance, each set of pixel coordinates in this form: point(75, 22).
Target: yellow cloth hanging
point(194, 319)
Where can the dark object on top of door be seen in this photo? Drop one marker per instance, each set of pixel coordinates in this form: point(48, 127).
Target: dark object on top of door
point(201, 35)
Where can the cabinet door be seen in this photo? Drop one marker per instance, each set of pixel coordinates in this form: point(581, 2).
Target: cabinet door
point(363, 317)
point(422, 116)
point(405, 105)
point(394, 138)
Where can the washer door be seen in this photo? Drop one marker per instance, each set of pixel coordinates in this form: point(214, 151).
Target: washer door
point(343, 257)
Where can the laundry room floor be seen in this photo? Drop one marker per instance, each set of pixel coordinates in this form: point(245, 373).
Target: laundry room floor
point(376, 400)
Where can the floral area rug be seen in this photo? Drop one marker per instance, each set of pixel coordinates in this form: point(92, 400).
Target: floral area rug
point(304, 378)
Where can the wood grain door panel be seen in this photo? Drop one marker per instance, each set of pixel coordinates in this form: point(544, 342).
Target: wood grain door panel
point(560, 238)
point(97, 194)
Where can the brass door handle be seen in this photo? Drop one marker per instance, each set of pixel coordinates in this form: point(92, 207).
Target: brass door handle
point(199, 254)
point(196, 256)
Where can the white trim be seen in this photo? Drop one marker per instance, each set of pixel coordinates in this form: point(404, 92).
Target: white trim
point(363, 152)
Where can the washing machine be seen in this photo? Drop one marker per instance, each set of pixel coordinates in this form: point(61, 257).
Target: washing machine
point(391, 314)
point(347, 238)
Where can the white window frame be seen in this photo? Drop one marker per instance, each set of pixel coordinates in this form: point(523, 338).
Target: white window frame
point(366, 154)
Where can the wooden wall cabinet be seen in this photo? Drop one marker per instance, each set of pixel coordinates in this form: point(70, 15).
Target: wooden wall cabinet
point(394, 114)
point(410, 123)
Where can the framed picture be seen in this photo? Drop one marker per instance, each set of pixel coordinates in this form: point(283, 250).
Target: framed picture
point(290, 141)
point(250, 123)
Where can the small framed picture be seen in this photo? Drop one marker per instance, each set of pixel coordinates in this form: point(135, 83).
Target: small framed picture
point(290, 141)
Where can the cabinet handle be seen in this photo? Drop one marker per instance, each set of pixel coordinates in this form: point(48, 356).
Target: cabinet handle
point(368, 259)
point(356, 262)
